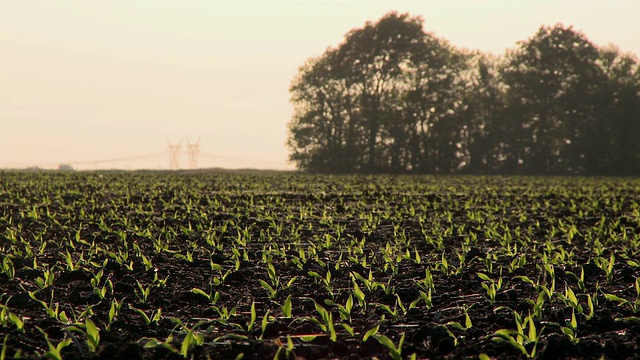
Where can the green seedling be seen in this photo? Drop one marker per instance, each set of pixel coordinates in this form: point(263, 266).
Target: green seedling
point(7, 317)
point(53, 311)
point(47, 278)
point(570, 299)
point(394, 351)
point(490, 286)
point(521, 339)
point(253, 318)
point(114, 310)
point(212, 298)
point(142, 293)
point(90, 332)
point(327, 325)
point(54, 351)
point(373, 331)
point(571, 329)
point(286, 307)
point(192, 339)
point(7, 267)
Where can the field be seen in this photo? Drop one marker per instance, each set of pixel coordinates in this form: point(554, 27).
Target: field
point(288, 266)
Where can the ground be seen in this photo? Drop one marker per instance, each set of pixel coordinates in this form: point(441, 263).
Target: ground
point(222, 266)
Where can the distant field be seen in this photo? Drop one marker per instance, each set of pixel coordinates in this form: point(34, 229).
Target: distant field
point(223, 266)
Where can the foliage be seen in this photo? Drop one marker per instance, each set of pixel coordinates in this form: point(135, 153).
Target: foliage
point(298, 265)
point(393, 98)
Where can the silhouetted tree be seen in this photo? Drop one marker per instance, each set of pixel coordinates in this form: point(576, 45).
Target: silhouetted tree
point(551, 88)
point(613, 143)
point(389, 85)
point(374, 59)
point(323, 131)
point(433, 103)
point(485, 143)
point(392, 98)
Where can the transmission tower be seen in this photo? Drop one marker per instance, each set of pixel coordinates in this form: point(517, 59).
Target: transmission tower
point(174, 154)
point(193, 150)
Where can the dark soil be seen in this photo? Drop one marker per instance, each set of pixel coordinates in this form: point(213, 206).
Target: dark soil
point(188, 226)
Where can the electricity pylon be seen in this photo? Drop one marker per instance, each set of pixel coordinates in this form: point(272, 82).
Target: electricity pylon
point(174, 154)
point(193, 150)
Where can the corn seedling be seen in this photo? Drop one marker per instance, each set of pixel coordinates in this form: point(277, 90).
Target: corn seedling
point(394, 351)
point(90, 331)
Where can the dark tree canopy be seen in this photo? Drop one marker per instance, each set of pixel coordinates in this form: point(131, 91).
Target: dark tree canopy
point(392, 98)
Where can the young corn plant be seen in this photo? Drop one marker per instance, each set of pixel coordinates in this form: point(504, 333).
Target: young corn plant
point(47, 278)
point(395, 352)
point(213, 298)
point(518, 338)
point(192, 339)
point(7, 267)
point(606, 265)
point(54, 351)
point(142, 293)
point(633, 305)
point(490, 286)
point(53, 310)
point(90, 331)
point(7, 317)
point(327, 324)
point(571, 328)
point(148, 318)
point(114, 311)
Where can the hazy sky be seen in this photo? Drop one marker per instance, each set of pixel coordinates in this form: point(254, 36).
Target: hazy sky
point(88, 80)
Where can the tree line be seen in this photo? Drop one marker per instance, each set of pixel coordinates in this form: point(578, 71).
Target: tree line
point(392, 98)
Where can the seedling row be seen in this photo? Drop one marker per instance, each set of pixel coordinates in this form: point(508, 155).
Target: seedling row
point(284, 266)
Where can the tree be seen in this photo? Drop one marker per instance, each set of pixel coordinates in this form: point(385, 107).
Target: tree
point(433, 102)
point(373, 60)
point(551, 84)
point(323, 132)
point(486, 143)
point(613, 143)
point(377, 102)
point(392, 98)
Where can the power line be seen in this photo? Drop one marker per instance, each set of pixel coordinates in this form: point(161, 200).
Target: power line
point(103, 161)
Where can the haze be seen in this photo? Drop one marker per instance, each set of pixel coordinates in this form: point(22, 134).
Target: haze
point(109, 84)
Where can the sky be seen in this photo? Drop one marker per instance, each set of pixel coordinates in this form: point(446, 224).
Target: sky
point(101, 84)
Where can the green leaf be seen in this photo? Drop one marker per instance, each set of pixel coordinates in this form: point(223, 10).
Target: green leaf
point(533, 335)
point(290, 282)
point(349, 304)
point(467, 321)
point(387, 309)
point(265, 321)
point(268, 287)
point(187, 343)
point(615, 298)
point(253, 316)
point(455, 325)
point(93, 334)
point(393, 351)
point(201, 292)
point(373, 330)
point(484, 277)
point(567, 331)
point(286, 308)
point(357, 292)
point(15, 319)
point(348, 329)
point(332, 331)
point(574, 322)
point(384, 340)
point(571, 296)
